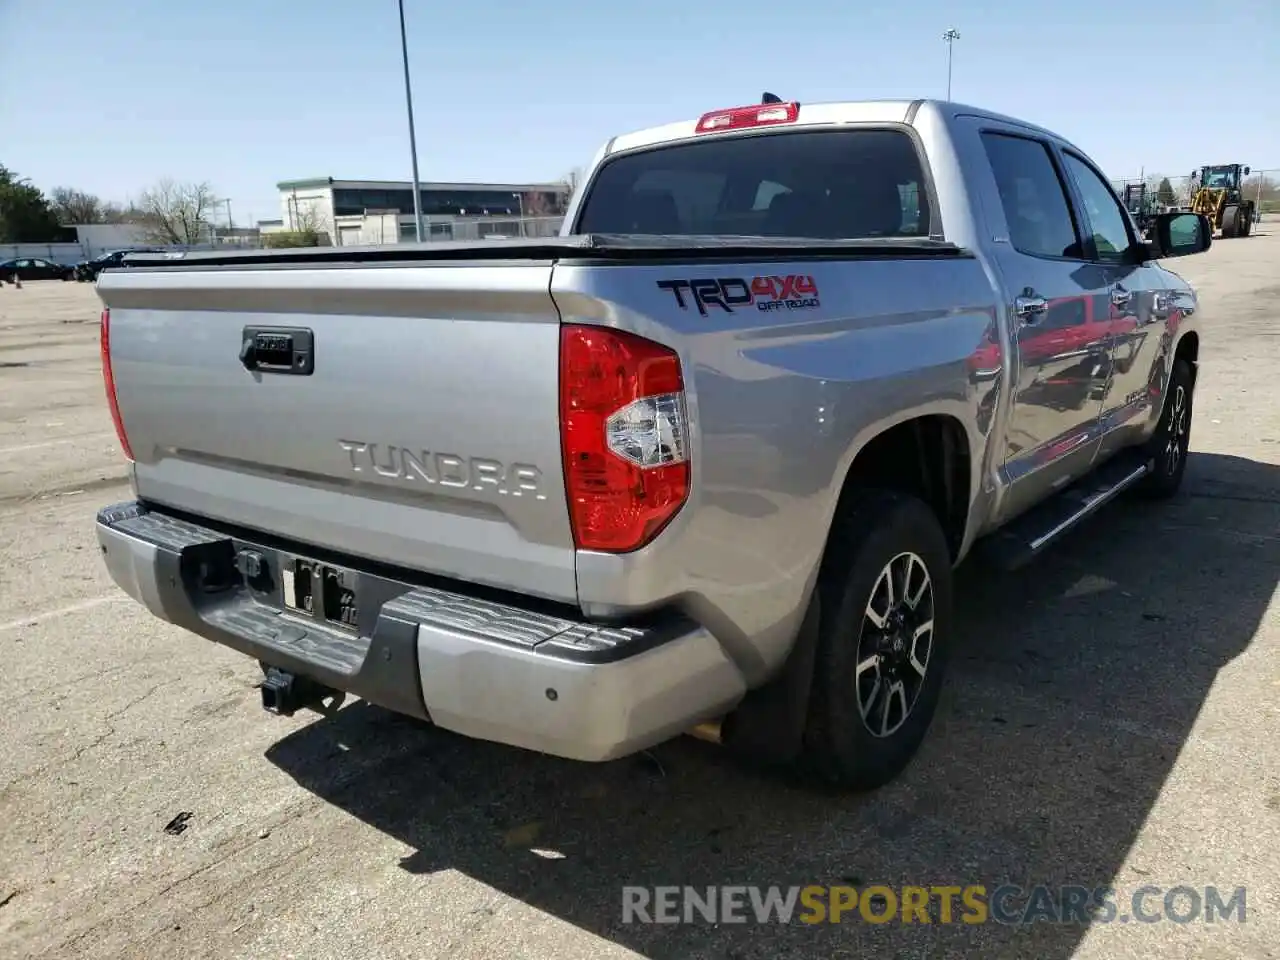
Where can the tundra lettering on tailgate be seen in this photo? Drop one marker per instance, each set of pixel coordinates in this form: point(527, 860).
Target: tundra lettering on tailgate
point(791, 292)
point(446, 469)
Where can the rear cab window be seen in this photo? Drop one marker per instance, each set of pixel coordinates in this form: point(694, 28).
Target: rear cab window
point(818, 184)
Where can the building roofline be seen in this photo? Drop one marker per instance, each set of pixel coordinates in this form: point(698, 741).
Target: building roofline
point(547, 187)
point(311, 182)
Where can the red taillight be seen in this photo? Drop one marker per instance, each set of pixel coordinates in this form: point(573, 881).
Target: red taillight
point(624, 437)
point(759, 115)
point(109, 381)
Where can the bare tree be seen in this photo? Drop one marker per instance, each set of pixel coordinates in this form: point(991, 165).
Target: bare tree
point(73, 206)
point(176, 213)
point(573, 180)
point(1261, 187)
point(308, 229)
point(309, 219)
point(113, 212)
point(535, 203)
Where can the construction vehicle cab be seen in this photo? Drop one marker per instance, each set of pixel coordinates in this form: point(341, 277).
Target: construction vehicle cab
point(1216, 193)
point(1140, 202)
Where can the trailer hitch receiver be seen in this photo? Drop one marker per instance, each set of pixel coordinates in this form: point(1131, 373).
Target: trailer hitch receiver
point(285, 693)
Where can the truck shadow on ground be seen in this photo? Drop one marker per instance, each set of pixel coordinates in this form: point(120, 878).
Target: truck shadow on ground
point(1075, 684)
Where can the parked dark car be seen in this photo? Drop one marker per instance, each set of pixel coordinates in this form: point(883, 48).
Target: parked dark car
point(33, 268)
point(88, 270)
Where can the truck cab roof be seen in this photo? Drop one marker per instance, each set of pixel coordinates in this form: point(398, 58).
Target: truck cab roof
point(825, 114)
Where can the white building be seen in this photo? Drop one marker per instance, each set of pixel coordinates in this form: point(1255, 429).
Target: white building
point(364, 212)
point(99, 238)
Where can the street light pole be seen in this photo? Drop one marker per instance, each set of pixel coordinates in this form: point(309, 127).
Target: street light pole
point(951, 36)
point(413, 142)
point(520, 200)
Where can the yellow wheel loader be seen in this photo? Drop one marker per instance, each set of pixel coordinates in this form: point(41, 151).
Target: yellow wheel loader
point(1216, 193)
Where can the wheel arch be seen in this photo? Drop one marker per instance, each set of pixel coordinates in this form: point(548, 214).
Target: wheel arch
point(1187, 348)
point(928, 456)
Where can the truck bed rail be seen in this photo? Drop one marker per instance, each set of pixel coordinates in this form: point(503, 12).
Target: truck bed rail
point(579, 248)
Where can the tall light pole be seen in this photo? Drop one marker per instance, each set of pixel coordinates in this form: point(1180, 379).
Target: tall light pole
point(413, 142)
point(951, 36)
point(520, 200)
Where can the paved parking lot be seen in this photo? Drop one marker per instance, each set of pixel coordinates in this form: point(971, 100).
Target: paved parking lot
point(1111, 721)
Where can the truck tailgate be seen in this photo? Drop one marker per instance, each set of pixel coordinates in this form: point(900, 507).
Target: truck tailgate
point(425, 436)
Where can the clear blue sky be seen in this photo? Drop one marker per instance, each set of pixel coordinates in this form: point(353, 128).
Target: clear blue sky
point(110, 95)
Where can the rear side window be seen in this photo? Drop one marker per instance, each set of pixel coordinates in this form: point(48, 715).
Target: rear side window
point(1034, 199)
point(830, 185)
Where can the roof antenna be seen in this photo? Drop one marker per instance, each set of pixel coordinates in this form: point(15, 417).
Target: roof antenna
point(770, 98)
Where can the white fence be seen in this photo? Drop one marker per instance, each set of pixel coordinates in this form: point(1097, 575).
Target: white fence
point(70, 253)
point(376, 232)
point(458, 229)
point(482, 227)
point(57, 252)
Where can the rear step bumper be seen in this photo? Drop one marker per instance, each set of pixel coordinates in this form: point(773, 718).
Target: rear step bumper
point(483, 668)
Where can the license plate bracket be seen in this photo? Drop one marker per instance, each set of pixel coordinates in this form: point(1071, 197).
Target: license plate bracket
point(322, 591)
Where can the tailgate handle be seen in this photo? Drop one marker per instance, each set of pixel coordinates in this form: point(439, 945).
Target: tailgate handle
point(285, 350)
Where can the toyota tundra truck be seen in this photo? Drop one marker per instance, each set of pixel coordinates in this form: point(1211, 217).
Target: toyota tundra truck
point(708, 457)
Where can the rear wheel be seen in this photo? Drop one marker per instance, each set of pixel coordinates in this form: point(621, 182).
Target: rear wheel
point(1230, 222)
point(1167, 448)
point(885, 592)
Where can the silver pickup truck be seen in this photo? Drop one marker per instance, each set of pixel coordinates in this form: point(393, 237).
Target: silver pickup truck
point(708, 456)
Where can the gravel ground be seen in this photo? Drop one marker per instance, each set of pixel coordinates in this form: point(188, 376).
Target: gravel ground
point(1111, 721)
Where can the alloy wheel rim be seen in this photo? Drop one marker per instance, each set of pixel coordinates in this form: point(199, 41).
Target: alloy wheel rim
point(1177, 437)
point(895, 644)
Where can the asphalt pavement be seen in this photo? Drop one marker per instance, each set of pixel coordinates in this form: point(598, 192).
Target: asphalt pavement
point(1110, 721)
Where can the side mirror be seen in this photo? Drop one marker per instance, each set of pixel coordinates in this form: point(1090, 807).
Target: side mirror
point(1179, 235)
point(1246, 171)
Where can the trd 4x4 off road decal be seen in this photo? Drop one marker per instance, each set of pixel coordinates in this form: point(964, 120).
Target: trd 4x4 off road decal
point(792, 292)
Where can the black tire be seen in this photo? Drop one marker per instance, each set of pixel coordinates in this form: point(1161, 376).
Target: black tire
point(1230, 222)
point(1167, 447)
point(840, 745)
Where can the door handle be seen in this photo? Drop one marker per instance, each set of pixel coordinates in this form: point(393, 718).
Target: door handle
point(287, 350)
point(1030, 306)
point(1120, 297)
